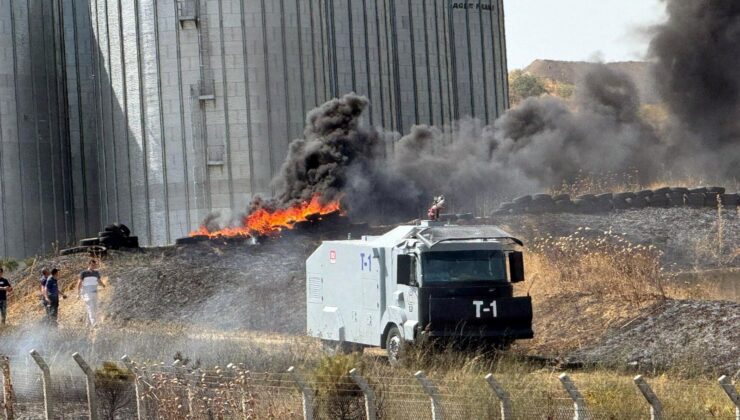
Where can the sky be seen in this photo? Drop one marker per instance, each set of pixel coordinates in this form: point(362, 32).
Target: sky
point(579, 30)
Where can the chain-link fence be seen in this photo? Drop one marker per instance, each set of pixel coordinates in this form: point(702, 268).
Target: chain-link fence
point(34, 387)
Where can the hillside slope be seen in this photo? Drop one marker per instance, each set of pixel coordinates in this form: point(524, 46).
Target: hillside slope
point(571, 72)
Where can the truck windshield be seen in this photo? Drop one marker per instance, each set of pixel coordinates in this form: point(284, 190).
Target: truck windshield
point(459, 266)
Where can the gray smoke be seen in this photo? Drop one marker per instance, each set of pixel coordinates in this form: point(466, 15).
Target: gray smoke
point(697, 55)
point(541, 143)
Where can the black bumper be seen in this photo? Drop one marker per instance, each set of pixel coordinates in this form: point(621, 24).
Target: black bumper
point(484, 317)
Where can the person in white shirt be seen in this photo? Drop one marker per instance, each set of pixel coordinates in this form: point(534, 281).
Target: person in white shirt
point(87, 288)
point(42, 283)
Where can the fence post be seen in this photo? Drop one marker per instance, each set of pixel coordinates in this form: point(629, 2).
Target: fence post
point(579, 404)
point(46, 383)
point(656, 408)
point(306, 391)
point(92, 396)
point(731, 392)
point(140, 406)
point(7, 388)
point(431, 390)
point(370, 411)
point(502, 395)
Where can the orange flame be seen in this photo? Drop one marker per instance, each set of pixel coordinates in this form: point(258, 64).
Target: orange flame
point(270, 222)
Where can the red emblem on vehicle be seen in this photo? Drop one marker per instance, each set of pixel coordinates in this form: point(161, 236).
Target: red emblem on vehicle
point(333, 256)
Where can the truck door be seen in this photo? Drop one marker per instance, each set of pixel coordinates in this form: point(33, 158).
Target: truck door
point(369, 316)
point(407, 286)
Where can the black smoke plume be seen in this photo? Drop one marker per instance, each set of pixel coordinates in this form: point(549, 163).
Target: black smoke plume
point(697, 57)
point(536, 145)
point(543, 142)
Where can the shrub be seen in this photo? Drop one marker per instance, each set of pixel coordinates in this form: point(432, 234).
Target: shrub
point(337, 396)
point(114, 387)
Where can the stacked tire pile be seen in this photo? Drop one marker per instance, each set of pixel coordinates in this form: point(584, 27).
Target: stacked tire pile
point(114, 236)
point(600, 203)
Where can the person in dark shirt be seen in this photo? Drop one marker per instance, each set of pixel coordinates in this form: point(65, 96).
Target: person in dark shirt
point(51, 297)
point(5, 287)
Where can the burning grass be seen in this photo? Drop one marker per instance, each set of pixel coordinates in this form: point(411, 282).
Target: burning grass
point(265, 221)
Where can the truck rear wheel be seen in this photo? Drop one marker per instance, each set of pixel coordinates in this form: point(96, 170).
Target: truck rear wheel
point(394, 346)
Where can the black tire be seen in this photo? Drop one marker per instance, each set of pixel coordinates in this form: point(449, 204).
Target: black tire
point(681, 190)
point(622, 204)
point(504, 208)
point(604, 197)
point(564, 206)
point(74, 250)
point(541, 204)
point(191, 239)
point(112, 243)
point(661, 191)
point(730, 200)
point(695, 200)
point(700, 190)
point(123, 229)
point(623, 196)
point(644, 193)
point(583, 206)
point(718, 190)
point(110, 228)
point(560, 197)
point(710, 199)
point(394, 346)
point(131, 242)
point(109, 234)
point(675, 199)
point(523, 200)
point(586, 197)
point(90, 242)
point(96, 250)
point(638, 202)
point(658, 200)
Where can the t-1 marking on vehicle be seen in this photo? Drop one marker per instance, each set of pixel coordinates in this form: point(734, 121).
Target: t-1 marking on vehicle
point(478, 308)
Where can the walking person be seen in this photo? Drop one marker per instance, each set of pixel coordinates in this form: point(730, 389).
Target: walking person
point(5, 288)
point(51, 297)
point(87, 288)
point(42, 286)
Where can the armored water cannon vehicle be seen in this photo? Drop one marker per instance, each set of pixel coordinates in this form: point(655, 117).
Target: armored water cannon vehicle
point(432, 280)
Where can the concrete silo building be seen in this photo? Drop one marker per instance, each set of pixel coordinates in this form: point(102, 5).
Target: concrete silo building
point(176, 108)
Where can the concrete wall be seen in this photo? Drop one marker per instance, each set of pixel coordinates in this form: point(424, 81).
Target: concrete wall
point(35, 162)
point(171, 118)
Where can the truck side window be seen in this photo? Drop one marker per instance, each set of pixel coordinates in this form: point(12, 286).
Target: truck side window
point(406, 270)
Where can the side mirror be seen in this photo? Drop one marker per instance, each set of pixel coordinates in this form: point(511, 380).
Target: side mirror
point(516, 267)
point(406, 270)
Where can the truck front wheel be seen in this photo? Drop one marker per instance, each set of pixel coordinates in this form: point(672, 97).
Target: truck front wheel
point(394, 346)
